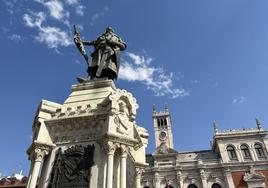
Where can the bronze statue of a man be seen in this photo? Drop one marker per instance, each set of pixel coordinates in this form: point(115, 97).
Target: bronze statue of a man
point(106, 55)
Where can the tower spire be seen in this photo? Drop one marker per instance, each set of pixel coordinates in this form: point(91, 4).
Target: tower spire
point(215, 127)
point(166, 107)
point(258, 123)
point(154, 108)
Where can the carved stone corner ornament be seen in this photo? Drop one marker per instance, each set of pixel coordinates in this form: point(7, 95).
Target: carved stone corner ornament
point(121, 98)
point(123, 125)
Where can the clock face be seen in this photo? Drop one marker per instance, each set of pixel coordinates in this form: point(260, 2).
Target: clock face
point(163, 135)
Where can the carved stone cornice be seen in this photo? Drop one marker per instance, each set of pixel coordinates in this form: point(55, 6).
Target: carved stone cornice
point(80, 111)
point(38, 150)
point(120, 140)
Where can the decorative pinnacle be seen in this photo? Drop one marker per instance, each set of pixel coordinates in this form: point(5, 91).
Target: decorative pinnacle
point(215, 127)
point(258, 123)
point(166, 107)
point(154, 108)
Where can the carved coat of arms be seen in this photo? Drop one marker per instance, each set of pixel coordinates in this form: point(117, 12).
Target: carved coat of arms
point(72, 167)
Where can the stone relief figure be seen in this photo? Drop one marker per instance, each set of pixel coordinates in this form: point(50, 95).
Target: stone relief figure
point(106, 55)
point(72, 167)
point(121, 119)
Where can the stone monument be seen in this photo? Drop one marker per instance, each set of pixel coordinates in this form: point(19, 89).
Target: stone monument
point(91, 140)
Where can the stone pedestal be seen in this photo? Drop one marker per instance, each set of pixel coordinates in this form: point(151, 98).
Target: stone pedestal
point(80, 141)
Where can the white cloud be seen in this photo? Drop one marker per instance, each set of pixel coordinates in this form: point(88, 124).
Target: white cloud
point(79, 9)
point(239, 100)
point(56, 10)
point(10, 4)
point(15, 37)
point(139, 68)
point(34, 20)
point(53, 37)
point(99, 14)
point(72, 2)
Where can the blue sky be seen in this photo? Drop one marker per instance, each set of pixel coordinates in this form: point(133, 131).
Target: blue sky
point(206, 59)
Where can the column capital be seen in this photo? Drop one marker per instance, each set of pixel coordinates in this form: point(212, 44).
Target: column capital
point(38, 154)
point(38, 151)
point(139, 171)
point(124, 150)
point(109, 147)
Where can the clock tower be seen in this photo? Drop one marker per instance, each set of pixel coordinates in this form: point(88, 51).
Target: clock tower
point(162, 128)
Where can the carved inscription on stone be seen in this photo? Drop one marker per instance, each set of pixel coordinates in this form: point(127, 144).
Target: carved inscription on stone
point(72, 167)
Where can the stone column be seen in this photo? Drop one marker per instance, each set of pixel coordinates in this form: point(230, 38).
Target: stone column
point(30, 173)
point(104, 173)
point(37, 157)
point(123, 166)
point(110, 147)
point(229, 179)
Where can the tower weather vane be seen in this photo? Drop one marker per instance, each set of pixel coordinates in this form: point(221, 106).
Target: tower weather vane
point(105, 61)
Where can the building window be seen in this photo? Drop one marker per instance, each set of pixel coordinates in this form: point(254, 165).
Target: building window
point(259, 150)
point(245, 151)
point(231, 153)
point(192, 186)
point(215, 185)
point(162, 123)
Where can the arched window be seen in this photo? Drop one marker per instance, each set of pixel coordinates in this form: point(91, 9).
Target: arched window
point(231, 152)
point(215, 185)
point(259, 150)
point(165, 121)
point(158, 123)
point(192, 186)
point(245, 151)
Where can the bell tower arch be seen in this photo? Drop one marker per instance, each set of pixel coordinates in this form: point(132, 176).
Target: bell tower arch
point(162, 127)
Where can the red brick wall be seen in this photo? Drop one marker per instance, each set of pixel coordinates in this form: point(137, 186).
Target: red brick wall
point(265, 172)
point(238, 178)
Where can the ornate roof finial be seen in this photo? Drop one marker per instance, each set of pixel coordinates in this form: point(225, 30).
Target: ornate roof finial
point(215, 127)
point(211, 143)
point(154, 108)
point(166, 107)
point(258, 123)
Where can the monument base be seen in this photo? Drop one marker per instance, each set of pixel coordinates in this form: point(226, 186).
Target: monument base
point(91, 140)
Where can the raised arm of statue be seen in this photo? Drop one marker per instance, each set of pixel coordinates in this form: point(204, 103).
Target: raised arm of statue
point(79, 44)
